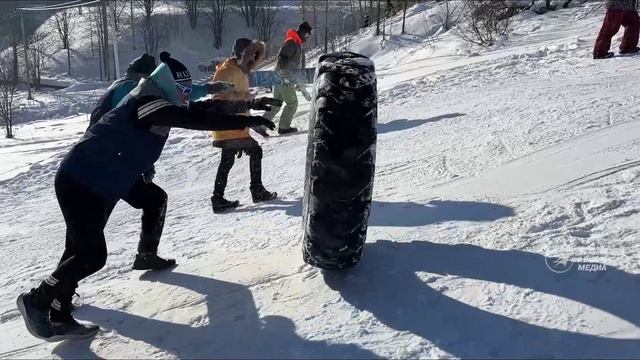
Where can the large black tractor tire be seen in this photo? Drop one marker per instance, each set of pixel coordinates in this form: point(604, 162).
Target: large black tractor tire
point(340, 161)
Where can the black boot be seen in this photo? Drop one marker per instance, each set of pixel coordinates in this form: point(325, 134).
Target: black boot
point(220, 204)
point(289, 130)
point(34, 308)
point(65, 327)
point(260, 194)
point(630, 51)
point(604, 56)
point(151, 261)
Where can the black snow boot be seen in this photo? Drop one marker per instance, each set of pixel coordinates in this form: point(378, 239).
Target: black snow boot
point(630, 51)
point(34, 308)
point(260, 194)
point(151, 261)
point(220, 204)
point(287, 131)
point(605, 56)
point(65, 327)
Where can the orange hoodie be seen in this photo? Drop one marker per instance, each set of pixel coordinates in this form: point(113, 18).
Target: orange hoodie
point(293, 35)
point(230, 72)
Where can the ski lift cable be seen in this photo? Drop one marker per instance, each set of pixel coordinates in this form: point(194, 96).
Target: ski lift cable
point(56, 5)
point(61, 7)
point(9, 16)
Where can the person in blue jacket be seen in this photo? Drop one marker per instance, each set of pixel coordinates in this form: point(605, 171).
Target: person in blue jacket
point(103, 168)
point(145, 189)
point(139, 68)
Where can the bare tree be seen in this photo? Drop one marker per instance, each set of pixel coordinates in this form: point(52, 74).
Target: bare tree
point(192, 9)
point(8, 89)
point(132, 25)
point(404, 15)
point(11, 29)
point(104, 17)
point(450, 13)
point(149, 27)
point(215, 11)
point(326, 26)
point(354, 18)
point(365, 13)
point(39, 47)
point(91, 31)
point(64, 27)
point(97, 28)
point(378, 19)
point(248, 9)
point(303, 58)
point(315, 23)
point(266, 19)
point(116, 11)
point(484, 20)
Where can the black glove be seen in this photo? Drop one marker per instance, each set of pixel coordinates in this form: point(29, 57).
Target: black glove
point(253, 121)
point(148, 175)
point(218, 87)
point(264, 103)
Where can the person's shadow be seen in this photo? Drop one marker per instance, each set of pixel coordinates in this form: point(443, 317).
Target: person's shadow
point(385, 283)
point(410, 213)
point(231, 328)
point(405, 124)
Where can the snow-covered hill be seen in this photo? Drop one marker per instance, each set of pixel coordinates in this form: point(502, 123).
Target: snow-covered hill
point(190, 46)
point(492, 165)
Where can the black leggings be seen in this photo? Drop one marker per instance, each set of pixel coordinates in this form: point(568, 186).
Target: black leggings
point(227, 160)
point(86, 214)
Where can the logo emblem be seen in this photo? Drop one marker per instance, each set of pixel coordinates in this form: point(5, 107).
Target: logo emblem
point(558, 265)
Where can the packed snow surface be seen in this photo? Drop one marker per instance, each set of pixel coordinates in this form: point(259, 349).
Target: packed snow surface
point(494, 167)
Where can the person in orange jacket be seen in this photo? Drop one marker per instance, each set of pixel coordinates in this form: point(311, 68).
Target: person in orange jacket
point(247, 55)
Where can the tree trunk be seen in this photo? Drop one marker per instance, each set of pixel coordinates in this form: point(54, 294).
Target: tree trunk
point(100, 57)
point(326, 26)
point(14, 47)
point(105, 42)
point(315, 22)
point(404, 14)
point(303, 60)
point(91, 36)
point(378, 20)
point(69, 61)
point(132, 25)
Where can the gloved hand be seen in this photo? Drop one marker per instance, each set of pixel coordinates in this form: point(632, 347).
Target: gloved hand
point(261, 130)
point(218, 87)
point(264, 103)
point(254, 121)
point(304, 92)
point(285, 80)
point(148, 175)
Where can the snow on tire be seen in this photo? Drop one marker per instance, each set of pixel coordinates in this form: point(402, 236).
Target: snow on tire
point(340, 161)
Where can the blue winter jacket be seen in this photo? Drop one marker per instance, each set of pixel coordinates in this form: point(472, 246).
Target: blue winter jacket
point(120, 88)
point(128, 140)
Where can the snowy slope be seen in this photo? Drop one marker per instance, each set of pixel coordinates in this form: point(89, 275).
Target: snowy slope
point(488, 162)
point(190, 46)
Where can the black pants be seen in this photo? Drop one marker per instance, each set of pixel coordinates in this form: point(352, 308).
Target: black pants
point(86, 214)
point(227, 160)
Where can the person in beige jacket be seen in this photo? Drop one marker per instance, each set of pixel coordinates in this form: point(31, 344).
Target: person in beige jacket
point(247, 55)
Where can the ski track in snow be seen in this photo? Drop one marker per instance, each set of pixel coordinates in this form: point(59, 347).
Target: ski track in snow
point(485, 165)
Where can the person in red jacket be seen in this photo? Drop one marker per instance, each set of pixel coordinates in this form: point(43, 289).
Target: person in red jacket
point(619, 13)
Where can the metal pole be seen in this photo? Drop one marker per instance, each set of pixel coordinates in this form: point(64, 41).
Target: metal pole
point(26, 58)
